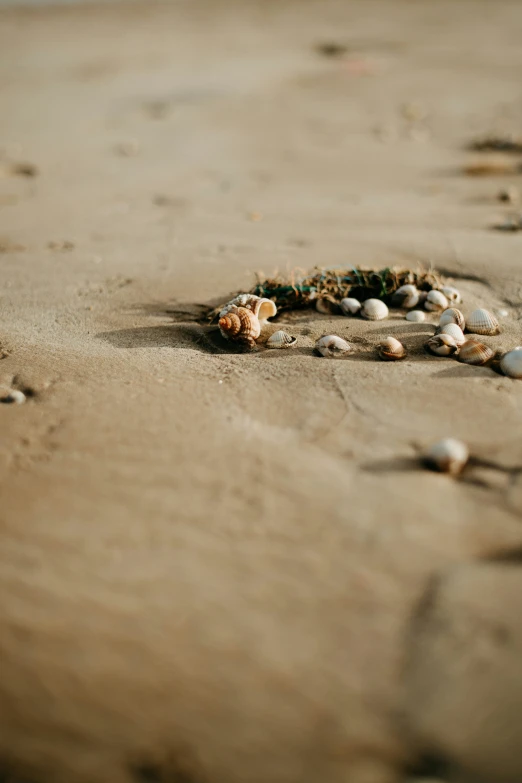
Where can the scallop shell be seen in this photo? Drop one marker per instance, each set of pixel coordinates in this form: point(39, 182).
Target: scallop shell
point(482, 322)
point(415, 315)
point(442, 345)
point(436, 301)
point(454, 331)
point(350, 306)
point(333, 346)
point(327, 305)
point(281, 339)
point(240, 325)
point(452, 316)
point(452, 294)
point(511, 363)
point(407, 296)
point(374, 310)
point(473, 352)
point(262, 308)
point(392, 350)
point(447, 456)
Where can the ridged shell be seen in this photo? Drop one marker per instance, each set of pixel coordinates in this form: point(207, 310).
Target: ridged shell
point(473, 352)
point(262, 308)
point(391, 350)
point(447, 456)
point(454, 331)
point(482, 322)
point(374, 310)
point(452, 316)
point(436, 301)
point(327, 306)
point(452, 294)
point(511, 363)
point(442, 345)
point(240, 325)
point(407, 296)
point(415, 315)
point(333, 346)
point(350, 306)
point(281, 339)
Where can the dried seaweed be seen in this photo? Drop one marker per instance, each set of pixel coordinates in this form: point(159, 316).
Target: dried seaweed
point(492, 143)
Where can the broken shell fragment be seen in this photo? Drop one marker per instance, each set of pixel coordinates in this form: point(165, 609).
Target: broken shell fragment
point(374, 310)
point(240, 325)
point(482, 322)
point(407, 296)
point(350, 306)
point(415, 315)
point(452, 294)
point(435, 301)
point(281, 339)
point(262, 308)
point(454, 331)
point(442, 345)
point(452, 316)
point(333, 346)
point(391, 350)
point(473, 352)
point(447, 456)
point(511, 363)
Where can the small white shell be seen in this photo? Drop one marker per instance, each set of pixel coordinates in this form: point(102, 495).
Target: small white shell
point(502, 312)
point(407, 295)
point(333, 346)
point(262, 308)
point(13, 396)
point(374, 310)
point(482, 322)
point(391, 350)
point(442, 345)
point(281, 339)
point(452, 316)
point(350, 306)
point(454, 331)
point(511, 363)
point(452, 294)
point(415, 315)
point(473, 352)
point(436, 301)
point(447, 456)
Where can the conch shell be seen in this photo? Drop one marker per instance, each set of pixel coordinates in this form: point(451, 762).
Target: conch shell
point(240, 325)
point(263, 309)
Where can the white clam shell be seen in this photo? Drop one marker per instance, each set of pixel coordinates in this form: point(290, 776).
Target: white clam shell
point(454, 331)
point(436, 301)
point(350, 306)
point(511, 363)
point(333, 346)
point(374, 310)
point(281, 339)
point(442, 345)
point(448, 456)
point(452, 294)
point(262, 308)
point(415, 315)
point(482, 322)
point(407, 295)
point(452, 316)
point(391, 349)
point(474, 352)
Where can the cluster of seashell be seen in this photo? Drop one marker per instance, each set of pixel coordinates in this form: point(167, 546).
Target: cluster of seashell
point(371, 309)
point(450, 338)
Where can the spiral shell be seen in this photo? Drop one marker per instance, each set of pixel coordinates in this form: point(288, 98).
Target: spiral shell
point(407, 296)
point(391, 350)
point(482, 322)
point(435, 301)
point(415, 315)
point(240, 325)
point(333, 346)
point(473, 352)
point(452, 294)
point(442, 345)
point(452, 316)
point(374, 310)
point(350, 306)
point(511, 363)
point(454, 331)
point(280, 339)
point(447, 456)
point(262, 308)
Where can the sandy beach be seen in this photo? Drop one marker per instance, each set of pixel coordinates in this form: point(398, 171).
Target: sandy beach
point(223, 567)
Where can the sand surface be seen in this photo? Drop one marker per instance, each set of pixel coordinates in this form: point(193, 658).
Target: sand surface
point(210, 561)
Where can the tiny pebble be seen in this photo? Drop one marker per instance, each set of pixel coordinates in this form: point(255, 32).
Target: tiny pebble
point(502, 313)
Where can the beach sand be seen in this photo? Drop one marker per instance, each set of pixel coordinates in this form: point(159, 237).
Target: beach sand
point(231, 567)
